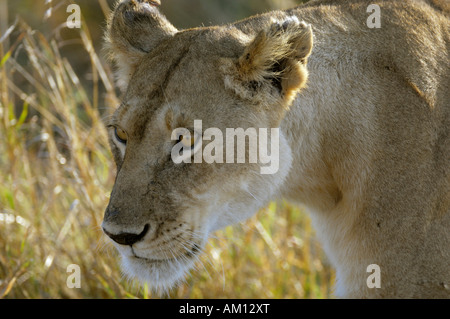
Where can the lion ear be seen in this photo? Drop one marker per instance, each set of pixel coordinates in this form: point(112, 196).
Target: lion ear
point(275, 60)
point(134, 29)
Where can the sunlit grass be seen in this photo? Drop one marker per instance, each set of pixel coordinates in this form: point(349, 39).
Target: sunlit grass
point(55, 179)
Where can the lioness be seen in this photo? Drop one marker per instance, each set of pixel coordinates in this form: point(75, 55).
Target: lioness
point(365, 144)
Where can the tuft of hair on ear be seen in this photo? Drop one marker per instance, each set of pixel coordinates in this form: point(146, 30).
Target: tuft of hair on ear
point(275, 60)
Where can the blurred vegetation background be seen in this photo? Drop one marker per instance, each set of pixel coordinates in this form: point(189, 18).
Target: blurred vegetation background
point(56, 170)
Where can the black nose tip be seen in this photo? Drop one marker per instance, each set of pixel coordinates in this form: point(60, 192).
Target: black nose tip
point(127, 238)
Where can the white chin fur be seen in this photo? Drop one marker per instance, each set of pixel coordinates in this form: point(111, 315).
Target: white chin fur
point(160, 276)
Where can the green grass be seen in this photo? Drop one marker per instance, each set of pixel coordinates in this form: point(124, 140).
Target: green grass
point(55, 179)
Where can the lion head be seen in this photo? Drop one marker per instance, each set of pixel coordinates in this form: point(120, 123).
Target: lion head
point(244, 76)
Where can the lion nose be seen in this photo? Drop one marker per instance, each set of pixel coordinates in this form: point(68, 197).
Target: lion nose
point(127, 238)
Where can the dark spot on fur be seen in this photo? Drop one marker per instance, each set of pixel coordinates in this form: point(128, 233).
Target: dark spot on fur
point(194, 250)
point(254, 85)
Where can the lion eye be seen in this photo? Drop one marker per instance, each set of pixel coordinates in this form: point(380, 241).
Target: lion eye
point(121, 135)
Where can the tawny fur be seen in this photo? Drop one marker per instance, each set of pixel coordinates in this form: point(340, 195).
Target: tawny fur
point(365, 144)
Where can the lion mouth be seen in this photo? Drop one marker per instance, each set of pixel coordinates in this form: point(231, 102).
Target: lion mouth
point(160, 274)
point(192, 253)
